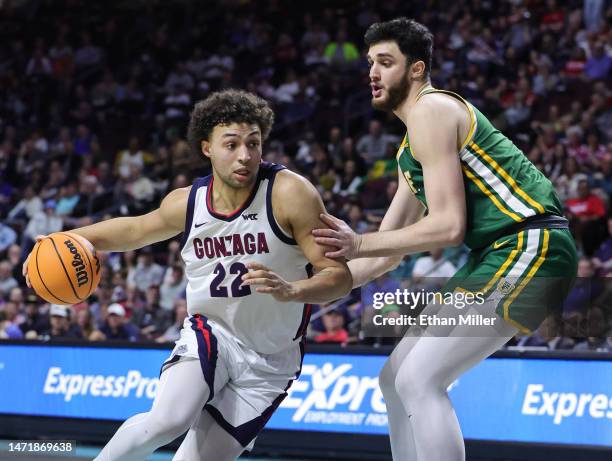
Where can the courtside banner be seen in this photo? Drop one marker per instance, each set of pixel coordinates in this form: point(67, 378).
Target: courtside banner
point(78, 382)
point(502, 399)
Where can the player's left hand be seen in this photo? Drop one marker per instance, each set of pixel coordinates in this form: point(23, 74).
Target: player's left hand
point(268, 282)
point(338, 235)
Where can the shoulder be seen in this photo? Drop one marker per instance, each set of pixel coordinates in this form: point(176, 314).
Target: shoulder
point(294, 200)
point(288, 182)
point(178, 195)
point(436, 107)
point(174, 204)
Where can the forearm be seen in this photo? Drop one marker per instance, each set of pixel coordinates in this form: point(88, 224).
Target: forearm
point(123, 234)
point(365, 270)
point(327, 285)
point(117, 234)
point(429, 233)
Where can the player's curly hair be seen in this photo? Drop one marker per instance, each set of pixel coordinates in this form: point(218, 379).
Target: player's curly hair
point(414, 40)
point(224, 108)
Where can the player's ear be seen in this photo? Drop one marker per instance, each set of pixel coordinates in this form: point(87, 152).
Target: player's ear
point(417, 70)
point(205, 146)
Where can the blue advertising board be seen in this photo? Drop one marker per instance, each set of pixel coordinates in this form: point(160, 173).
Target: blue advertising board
point(502, 399)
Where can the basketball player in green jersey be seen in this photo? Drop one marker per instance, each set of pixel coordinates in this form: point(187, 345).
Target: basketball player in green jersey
point(477, 188)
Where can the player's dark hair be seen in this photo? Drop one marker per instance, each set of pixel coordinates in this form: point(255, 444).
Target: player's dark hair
point(414, 40)
point(224, 108)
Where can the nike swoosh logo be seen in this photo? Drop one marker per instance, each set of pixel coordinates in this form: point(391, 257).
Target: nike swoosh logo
point(200, 224)
point(497, 245)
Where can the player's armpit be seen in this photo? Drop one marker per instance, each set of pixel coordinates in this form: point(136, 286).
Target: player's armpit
point(297, 206)
point(130, 233)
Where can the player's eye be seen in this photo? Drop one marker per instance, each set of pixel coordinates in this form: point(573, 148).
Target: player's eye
point(386, 63)
point(231, 146)
point(254, 144)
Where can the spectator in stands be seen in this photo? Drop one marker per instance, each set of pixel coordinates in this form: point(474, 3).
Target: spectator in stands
point(348, 183)
point(8, 328)
point(115, 327)
point(179, 77)
point(599, 65)
point(85, 321)
point(133, 155)
point(432, 272)
point(137, 191)
point(173, 286)
point(335, 331)
point(567, 184)
point(585, 289)
point(152, 320)
point(547, 336)
point(68, 199)
point(7, 282)
point(36, 322)
point(596, 329)
point(60, 325)
point(42, 223)
point(373, 145)
point(27, 207)
point(88, 56)
point(7, 237)
point(341, 53)
point(586, 214)
point(173, 332)
point(146, 272)
point(603, 255)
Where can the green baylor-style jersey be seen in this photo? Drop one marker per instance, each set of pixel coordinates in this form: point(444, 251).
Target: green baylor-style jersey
point(502, 187)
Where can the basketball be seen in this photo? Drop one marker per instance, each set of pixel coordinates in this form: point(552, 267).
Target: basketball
point(64, 268)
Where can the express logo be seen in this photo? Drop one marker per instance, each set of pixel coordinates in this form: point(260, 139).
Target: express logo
point(333, 396)
point(77, 263)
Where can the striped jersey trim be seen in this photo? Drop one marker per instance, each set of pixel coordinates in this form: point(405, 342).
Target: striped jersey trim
point(506, 264)
point(532, 267)
point(490, 194)
point(496, 185)
point(509, 180)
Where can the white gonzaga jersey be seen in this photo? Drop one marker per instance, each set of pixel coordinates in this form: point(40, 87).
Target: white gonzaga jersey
point(216, 248)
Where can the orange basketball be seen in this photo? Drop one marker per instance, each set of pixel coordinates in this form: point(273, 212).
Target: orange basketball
point(64, 268)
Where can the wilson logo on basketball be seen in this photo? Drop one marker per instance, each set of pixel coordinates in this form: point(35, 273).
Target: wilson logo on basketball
point(77, 263)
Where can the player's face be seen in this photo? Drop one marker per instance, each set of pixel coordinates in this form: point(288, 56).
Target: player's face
point(389, 79)
point(235, 153)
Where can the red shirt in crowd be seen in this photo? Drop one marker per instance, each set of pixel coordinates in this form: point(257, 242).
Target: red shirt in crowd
point(338, 336)
point(590, 206)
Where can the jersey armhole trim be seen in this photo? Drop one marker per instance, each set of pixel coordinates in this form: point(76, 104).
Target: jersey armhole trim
point(276, 228)
point(190, 207)
point(473, 119)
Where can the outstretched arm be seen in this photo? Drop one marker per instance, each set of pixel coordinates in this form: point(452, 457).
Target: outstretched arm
point(130, 233)
point(299, 216)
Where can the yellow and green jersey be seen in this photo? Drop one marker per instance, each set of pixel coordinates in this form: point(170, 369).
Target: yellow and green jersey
point(502, 187)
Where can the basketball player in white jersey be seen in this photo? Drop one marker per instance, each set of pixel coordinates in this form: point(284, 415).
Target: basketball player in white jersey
point(248, 252)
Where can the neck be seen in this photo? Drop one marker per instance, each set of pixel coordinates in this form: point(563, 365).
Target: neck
point(408, 103)
point(225, 198)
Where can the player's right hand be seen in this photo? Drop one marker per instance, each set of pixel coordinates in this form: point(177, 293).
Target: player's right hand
point(24, 267)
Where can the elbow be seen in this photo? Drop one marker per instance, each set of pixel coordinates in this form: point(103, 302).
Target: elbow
point(346, 284)
point(455, 234)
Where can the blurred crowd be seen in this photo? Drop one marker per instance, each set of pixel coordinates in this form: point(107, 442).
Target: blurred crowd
point(94, 103)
